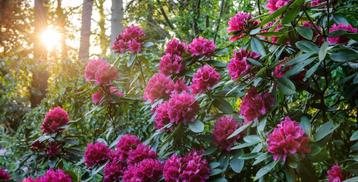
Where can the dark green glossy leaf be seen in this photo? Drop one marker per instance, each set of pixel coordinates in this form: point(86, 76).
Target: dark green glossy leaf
point(257, 46)
point(307, 46)
point(237, 164)
point(196, 127)
point(264, 170)
point(239, 130)
point(223, 105)
point(305, 32)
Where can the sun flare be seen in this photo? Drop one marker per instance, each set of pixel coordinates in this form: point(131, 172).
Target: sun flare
point(51, 38)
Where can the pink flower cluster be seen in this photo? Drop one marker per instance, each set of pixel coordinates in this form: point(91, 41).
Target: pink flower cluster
point(288, 138)
point(51, 175)
point(113, 170)
point(240, 25)
point(4, 175)
point(53, 149)
point(318, 39)
point(223, 128)
point(158, 87)
point(239, 65)
point(316, 2)
point(340, 39)
point(140, 153)
point(280, 70)
point(100, 71)
point(172, 62)
point(96, 154)
point(191, 168)
point(201, 47)
point(204, 78)
point(335, 174)
point(149, 170)
point(274, 5)
point(254, 105)
point(131, 39)
point(54, 120)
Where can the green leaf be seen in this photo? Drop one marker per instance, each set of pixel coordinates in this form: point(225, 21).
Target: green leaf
point(299, 67)
point(312, 70)
point(307, 46)
point(299, 58)
point(214, 165)
point(354, 179)
point(273, 16)
point(252, 139)
point(306, 125)
point(344, 55)
point(264, 170)
point(286, 86)
point(305, 32)
point(243, 145)
point(290, 15)
point(354, 137)
point(257, 46)
point(261, 158)
point(248, 156)
point(131, 60)
point(239, 130)
point(254, 62)
point(196, 127)
point(237, 164)
point(148, 44)
point(216, 172)
point(323, 51)
point(221, 179)
point(223, 105)
point(324, 130)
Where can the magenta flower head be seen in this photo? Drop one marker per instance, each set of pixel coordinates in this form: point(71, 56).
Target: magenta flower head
point(161, 117)
point(255, 105)
point(182, 108)
point(29, 180)
point(274, 5)
point(53, 175)
point(158, 87)
point(173, 168)
point(201, 47)
point(239, 65)
point(204, 79)
point(96, 154)
point(105, 74)
point(131, 39)
point(91, 68)
point(97, 97)
point(180, 86)
point(4, 175)
point(335, 174)
point(340, 39)
point(174, 46)
point(240, 25)
point(316, 2)
point(149, 170)
point(192, 168)
point(171, 64)
point(223, 128)
point(288, 138)
point(54, 120)
point(140, 153)
point(280, 71)
point(113, 171)
point(53, 149)
point(126, 144)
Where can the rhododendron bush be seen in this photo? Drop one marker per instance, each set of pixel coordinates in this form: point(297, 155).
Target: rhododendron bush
point(274, 100)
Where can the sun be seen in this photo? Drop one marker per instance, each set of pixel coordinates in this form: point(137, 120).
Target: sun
point(51, 38)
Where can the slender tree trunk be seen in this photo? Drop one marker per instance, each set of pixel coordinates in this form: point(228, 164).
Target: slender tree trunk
point(39, 73)
point(103, 41)
point(61, 21)
point(85, 30)
point(116, 19)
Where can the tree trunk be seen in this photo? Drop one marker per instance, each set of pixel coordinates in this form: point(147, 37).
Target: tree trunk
point(39, 73)
point(85, 30)
point(103, 40)
point(116, 19)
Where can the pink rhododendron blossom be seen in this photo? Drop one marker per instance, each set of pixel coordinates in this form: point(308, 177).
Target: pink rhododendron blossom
point(335, 174)
point(53, 149)
point(91, 68)
point(180, 86)
point(4, 175)
point(53, 175)
point(254, 105)
point(37, 146)
point(149, 170)
point(191, 168)
point(239, 65)
point(288, 138)
point(340, 39)
point(105, 74)
point(158, 87)
point(182, 108)
point(131, 39)
point(223, 128)
point(274, 5)
point(54, 120)
point(274, 39)
point(29, 180)
point(96, 154)
point(97, 97)
point(113, 171)
point(319, 39)
point(201, 47)
point(140, 153)
point(173, 168)
point(316, 2)
point(161, 117)
point(204, 79)
point(171, 64)
point(126, 144)
point(174, 46)
point(280, 71)
point(240, 25)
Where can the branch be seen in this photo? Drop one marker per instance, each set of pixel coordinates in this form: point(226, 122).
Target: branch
point(219, 19)
point(165, 15)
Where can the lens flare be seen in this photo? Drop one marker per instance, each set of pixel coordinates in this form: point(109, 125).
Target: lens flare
point(51, 38)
